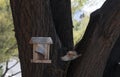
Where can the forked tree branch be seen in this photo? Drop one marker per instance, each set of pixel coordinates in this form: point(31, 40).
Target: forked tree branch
point(7, 69)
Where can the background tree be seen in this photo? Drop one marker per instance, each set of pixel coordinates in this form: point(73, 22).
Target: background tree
point(8, 46)
point(1, 70)
point(7, 40)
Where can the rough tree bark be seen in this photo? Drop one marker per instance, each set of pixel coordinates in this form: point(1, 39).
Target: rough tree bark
point(41, 18)
point(61, 11)
point(112, 68)
point(53, 18)
point(102, 32)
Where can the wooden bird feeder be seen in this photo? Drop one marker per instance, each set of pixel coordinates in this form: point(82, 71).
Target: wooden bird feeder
point(41, 49)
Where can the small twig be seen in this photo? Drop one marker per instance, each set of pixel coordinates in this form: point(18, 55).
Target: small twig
point(6, 70)
point(15, 74)
point(14, 65)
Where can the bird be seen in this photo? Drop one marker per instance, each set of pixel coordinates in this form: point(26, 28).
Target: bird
point(71, 55)
point(39, 48)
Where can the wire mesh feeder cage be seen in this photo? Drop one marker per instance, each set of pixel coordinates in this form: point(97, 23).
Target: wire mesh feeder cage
point(41, 49)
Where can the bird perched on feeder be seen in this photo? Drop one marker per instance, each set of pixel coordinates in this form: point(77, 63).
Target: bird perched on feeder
point(40, 49)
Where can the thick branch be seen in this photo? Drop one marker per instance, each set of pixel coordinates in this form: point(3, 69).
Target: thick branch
point(61, 12)
point(99, 43)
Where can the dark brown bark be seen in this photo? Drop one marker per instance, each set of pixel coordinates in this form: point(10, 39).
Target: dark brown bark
point(113, 67)
point(53, 18)
point(61, 11)
point(83, 44)
point(33, 18)
point(102, 32)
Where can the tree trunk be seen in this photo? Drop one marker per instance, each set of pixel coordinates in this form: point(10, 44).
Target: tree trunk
point(35, 18)
point(39, 18)
point(102, 32)
point(61, 10)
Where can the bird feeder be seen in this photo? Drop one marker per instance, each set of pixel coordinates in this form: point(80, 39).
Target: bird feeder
point(41, 49)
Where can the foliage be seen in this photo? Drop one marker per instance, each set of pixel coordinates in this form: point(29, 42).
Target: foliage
point(80, 20)
point(1, 71)
point(77, 5)
point(7, 40)
point(80, 28)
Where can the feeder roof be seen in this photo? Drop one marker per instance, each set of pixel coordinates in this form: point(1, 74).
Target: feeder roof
point(41, 40)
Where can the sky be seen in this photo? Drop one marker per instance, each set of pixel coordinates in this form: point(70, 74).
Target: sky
point(92, 5)
point(14, 70)
point(89, 7)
